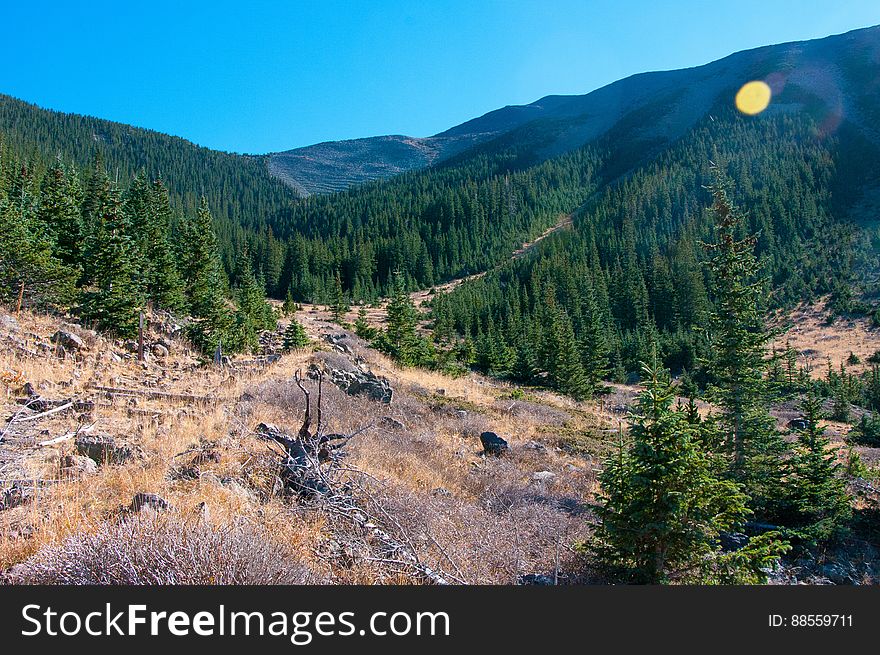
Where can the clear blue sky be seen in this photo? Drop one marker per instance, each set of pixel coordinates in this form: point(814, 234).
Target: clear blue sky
point(260, 76)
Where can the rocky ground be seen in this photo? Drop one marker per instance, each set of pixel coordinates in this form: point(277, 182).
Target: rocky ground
point(109, 465)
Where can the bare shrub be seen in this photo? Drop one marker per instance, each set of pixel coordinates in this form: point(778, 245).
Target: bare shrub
point(156, 549)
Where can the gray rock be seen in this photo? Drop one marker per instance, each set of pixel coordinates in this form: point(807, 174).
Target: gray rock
point(543, 476)
point(352, 379)
point(840, 573)
point(68, 340)
point(77, 466)
point(392, 423)
point(153, 501)
point(493, 444)
point(342, 342)
point(103, 449)
point(16, 495)
point(9, 323)
point(731, 541)
point(535, 445)
point(536, 579)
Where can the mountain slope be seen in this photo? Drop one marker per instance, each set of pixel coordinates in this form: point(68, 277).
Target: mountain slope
point(835, 76)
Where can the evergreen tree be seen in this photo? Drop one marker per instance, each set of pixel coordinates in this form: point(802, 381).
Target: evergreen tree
point(295, 336)
point(289, 306)
point(253, 314)
point(28, 266)
point(362, 328)
point(819, 492)
point(110, 297)
point(338, 306)
point(204, 284)
point(400, 339)
point(664, 505)
point(738, 343)
point(60, 213)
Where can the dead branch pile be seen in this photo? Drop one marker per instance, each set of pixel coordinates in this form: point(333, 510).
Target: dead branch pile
point(312, 470)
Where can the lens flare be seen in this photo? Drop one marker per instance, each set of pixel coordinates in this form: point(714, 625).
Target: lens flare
point(753, 97)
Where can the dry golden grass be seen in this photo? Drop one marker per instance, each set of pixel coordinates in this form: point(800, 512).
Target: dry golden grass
point(493, 520)
point(818, 342)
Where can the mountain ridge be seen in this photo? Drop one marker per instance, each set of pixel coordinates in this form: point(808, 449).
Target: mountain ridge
point(686, 94)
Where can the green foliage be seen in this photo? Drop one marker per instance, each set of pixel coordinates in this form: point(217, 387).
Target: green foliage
point(665, 505)
point(400, 339)
point(339, 305)
point(866, 432)
point(253, 314)
point(362, 328)
point(30, 262)
point(111, 298)
point(821, 504)
point(295, 336)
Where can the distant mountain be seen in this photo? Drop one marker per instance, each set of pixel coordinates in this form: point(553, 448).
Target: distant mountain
point(836, 77)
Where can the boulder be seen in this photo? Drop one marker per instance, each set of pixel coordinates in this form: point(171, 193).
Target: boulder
point(77, 466)
point(352, 379)
point(68, 340)
point(493, 444)
point(392, 423)
point(731, 541)
point(103, 449)
point(543, 476)
point(342, 342)
point(153, 501)
point(16, 495)
point(9, 323)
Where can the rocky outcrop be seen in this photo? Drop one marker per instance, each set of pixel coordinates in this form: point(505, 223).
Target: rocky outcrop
point(103, 449)
point(351, 378)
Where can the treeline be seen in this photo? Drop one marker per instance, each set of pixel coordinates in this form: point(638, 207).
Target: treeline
point(75, 239)
point(432, 225)
point(589, 304)
point(241, 195)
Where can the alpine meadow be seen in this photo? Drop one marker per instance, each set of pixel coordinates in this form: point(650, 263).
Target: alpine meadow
point(626, 337)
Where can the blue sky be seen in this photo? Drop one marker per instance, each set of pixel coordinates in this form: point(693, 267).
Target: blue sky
point(259, 76)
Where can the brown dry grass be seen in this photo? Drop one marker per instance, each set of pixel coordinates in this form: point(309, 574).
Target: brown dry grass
point(482, 519)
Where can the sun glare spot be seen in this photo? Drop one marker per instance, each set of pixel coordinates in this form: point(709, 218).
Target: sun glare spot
point(753, 97)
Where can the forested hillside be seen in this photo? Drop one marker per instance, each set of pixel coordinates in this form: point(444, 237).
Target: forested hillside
point(239, 190)
point(633, 269)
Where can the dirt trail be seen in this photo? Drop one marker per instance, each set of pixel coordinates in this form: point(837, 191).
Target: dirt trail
point(376, 315)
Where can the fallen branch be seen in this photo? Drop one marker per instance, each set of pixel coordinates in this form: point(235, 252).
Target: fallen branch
point(54, 410)
point(162, 395)
point(69, 435)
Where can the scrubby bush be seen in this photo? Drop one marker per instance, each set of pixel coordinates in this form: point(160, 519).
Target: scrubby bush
point(163, 549)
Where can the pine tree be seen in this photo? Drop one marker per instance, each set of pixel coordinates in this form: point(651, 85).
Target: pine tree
point(563, 357)
point(664, 505)
point(295, 336)
point(204, 283)
point(338, 306)
point(110, 296)
point(400, 339)
point(738, 343)
point(362, 328)
point(28, 266)
point(819, 492)
point(59, 213)
point(253, 314)
point(289, 306)
point(163, 283)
